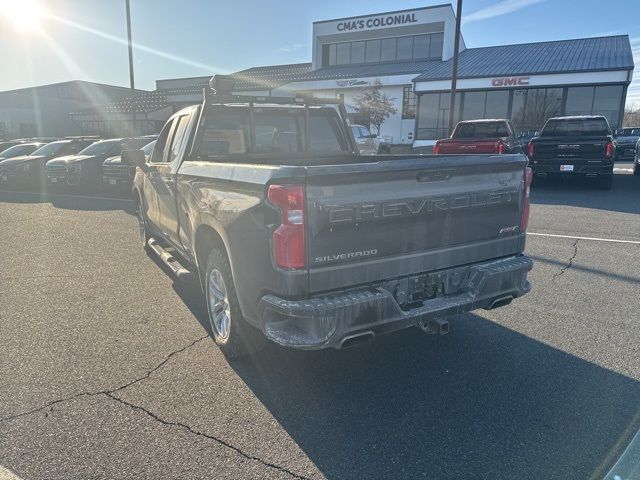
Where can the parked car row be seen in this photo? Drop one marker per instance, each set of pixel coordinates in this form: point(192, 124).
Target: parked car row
point(566, 146)
point(77, 162)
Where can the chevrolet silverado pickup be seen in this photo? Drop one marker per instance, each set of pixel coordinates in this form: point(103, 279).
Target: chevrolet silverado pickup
point(574, 146)
point(296, 237)
point(480, 136)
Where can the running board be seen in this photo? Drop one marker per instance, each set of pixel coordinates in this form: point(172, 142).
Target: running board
point(168, 259)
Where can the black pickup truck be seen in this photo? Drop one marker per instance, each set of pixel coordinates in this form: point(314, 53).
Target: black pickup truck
point(570, 146)
point(297, 238)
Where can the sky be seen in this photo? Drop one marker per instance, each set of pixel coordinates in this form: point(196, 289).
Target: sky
point(86, 39)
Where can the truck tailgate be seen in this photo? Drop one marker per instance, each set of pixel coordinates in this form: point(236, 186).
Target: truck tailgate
point(467, 146)
point(561, 149)
point(369, 222)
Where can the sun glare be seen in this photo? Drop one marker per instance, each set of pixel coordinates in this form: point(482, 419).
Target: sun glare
point(25, 15)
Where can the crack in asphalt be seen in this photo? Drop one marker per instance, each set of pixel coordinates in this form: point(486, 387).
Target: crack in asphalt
point(570, 264)
point(103, 392)
point(110, 394)
point(208, 436)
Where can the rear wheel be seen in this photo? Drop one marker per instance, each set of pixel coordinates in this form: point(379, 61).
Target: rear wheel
point(605, 181)
point(232, 333)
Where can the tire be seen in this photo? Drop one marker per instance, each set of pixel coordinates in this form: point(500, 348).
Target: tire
point(636, 169)
point(384, 150)
point(143, 224)
point(232, 333)
point(605, 181)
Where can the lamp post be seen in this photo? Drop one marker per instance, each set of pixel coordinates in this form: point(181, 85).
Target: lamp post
point(131, 77)
point(454, 72)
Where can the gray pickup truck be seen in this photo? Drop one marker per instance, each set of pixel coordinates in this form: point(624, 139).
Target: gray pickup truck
point(297, 238)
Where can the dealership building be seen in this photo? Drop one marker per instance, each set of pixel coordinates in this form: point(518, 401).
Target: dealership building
point(410, 52)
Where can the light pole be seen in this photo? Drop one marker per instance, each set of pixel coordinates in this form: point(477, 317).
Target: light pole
point(131, 77)
point(454, 72)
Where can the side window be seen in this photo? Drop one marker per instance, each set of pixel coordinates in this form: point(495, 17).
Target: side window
point(161, 144)
point(178, 137)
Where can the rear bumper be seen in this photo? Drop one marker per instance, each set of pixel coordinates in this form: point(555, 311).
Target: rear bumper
point(626, 153)
point(584, 167)
point(327, 321)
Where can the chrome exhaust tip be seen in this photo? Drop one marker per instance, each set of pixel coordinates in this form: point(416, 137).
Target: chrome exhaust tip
point(501, 302)
point(357, 339)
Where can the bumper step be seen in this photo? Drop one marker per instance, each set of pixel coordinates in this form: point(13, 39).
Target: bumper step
point(169, 260)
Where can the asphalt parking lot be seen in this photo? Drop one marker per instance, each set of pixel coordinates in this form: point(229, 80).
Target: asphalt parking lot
point(107, 369)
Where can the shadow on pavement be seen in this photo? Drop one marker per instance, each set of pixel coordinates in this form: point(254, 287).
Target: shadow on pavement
point(580, 192)
point(481, 402)
point(71, 200)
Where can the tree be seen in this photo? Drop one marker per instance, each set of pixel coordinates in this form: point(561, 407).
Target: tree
point(375, 105)
point(631, 116)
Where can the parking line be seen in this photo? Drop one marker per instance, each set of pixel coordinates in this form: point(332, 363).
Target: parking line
point(595, 239)
point(6, 474)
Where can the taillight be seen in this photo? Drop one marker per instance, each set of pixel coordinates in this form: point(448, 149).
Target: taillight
point(289, 242)
point(500, 147)
point(436, 149)
point(608, 149)
point(530, 149)
point(526, 201)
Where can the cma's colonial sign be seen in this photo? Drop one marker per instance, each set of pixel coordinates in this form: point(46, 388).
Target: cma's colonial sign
point(509, 81)
point(385, 21)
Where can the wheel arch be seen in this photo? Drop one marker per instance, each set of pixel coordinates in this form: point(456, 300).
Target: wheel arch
point(207, 239)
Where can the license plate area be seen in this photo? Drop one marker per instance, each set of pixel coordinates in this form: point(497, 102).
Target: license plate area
point(566, 168)
point(411, 291)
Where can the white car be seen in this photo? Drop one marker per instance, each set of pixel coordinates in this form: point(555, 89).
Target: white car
point(369, 143)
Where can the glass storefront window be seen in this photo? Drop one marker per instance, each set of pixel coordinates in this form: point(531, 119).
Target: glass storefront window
point(474, 105)
point(433, 115)
point(579, 100)
point(408, 103)
point(405, 47)
point(357, 52)
point(497, 104)
point(332, 54)
point(437, 42)
point(606, 101)
point(373, 51)
point(343, 54)
point(421, 46)
point(388, 50)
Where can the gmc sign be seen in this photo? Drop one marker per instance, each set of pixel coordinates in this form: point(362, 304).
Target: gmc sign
point(509, 81)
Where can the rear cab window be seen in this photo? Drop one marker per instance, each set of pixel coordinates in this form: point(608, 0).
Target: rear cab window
point(278, 131)
point(576, 127)
point(479, 130)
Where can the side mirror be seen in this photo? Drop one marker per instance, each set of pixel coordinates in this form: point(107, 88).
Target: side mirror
point(134, 158)
point(373, 135)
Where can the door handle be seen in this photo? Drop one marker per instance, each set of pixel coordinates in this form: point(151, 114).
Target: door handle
point(170, 182)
